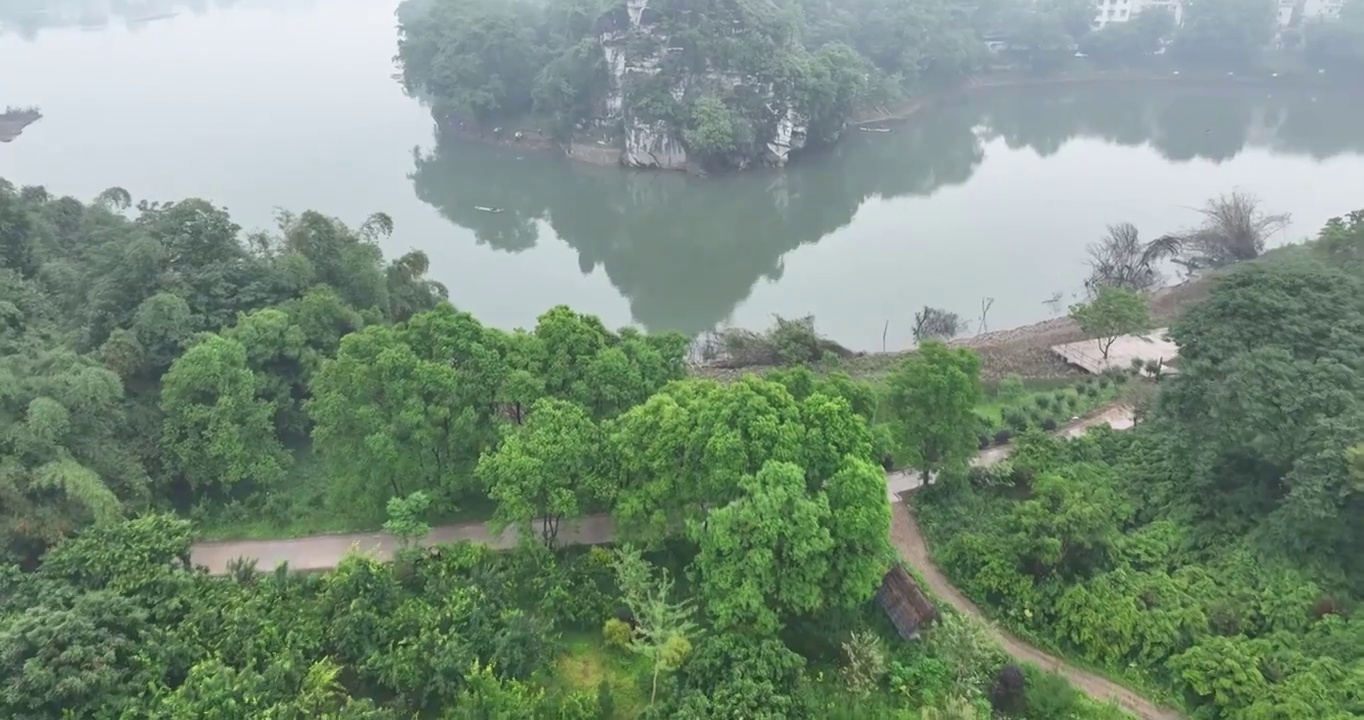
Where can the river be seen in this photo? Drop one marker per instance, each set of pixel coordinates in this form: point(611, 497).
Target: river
point(259, 104)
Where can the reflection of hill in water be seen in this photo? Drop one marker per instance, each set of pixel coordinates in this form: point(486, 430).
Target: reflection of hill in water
point(29, 17)
point(686, 251)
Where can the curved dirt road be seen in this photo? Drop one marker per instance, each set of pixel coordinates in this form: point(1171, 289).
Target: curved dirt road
point(322, 552)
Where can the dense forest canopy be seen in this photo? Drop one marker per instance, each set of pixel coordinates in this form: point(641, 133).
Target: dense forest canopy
point(733, 82)
point(1212, 551)
point(158, 362)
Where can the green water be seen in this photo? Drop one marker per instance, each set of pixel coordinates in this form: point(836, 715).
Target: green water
point(258, 104)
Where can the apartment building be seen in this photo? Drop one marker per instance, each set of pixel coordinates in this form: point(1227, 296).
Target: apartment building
point(1110, 11)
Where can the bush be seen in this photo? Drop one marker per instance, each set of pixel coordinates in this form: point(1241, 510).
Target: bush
point(1043, 403)
point(1008, 694)
point(1003, 436)
point(864, 662)
point(1037, 415)
point(606, 701)
point(1050, 697)
point(617, 634)
point(1015, 418)
point(788, 342)
point(1049, 425)
point(1010, 388)
point(983, 440)
point(1000, 474)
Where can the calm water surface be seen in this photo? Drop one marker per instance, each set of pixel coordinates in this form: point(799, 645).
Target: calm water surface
point(258, 104)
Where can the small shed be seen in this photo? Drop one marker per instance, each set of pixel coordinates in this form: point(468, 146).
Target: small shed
point(905, 603)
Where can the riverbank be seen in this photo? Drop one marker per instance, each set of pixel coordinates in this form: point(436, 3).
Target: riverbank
point(14, 120)
point(1024, 351)
point(910, 107)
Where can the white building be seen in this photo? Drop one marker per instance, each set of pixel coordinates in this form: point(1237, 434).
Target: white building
point(1110, 11)
point(1296, 12)
point(1321, 8)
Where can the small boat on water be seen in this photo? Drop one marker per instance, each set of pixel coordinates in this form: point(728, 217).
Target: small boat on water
point(874, 129)
point(487, 209)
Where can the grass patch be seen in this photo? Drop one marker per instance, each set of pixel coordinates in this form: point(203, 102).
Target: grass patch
point(586, 662)
point(302, 505)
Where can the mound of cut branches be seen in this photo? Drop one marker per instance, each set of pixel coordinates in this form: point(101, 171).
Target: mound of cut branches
point(787, 342)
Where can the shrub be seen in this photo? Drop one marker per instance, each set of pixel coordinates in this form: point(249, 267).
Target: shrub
point(1326, 605)
point(1000, 474)
point(1037, 415)
point(1008, 694)
point(1010, 388)
point(1050, 697)
point(1015, 418)
point(606, 701)
point(983, 440)
point(617, 633)
point(1003, 436)
point(1049, 425)
point(864, 662)
point(925, 679)
point(1043, 403)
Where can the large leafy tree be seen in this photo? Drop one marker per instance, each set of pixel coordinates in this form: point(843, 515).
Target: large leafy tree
point(859, 525)
point(547, 470)
point(686, 450)
point(63, 460)
point(933, 394)
point(218, 433)
point(764, 557)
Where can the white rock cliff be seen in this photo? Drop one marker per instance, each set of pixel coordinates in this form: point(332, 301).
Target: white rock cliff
point(634, 49)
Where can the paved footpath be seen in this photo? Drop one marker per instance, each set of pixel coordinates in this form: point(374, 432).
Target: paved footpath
point(322, 552)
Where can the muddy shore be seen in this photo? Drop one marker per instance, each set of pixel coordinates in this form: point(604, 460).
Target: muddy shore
point(1024, 351)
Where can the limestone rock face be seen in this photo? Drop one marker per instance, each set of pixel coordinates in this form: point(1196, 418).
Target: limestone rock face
point(641, 73)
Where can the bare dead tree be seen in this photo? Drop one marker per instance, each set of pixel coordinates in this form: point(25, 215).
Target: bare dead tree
point(1122, 260)
point(985, 305)
point(936, 324)
point(1234, 229)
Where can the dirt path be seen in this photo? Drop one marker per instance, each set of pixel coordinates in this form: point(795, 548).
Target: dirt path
point(905, 536)
point(910, 543)
point(323, 552)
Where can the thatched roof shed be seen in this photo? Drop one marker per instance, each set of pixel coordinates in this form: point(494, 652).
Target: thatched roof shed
point(905, 603)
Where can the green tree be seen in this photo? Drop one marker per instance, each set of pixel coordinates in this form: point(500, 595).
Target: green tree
point(1113, 312)
point(218, 434)
point(547, 470)
point(764, 556)
point(859, 525)
point(663, 629)
point(407, 408)
point(711, 130)
point(933, 394)
point(405, 518)
point(1226, 33)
